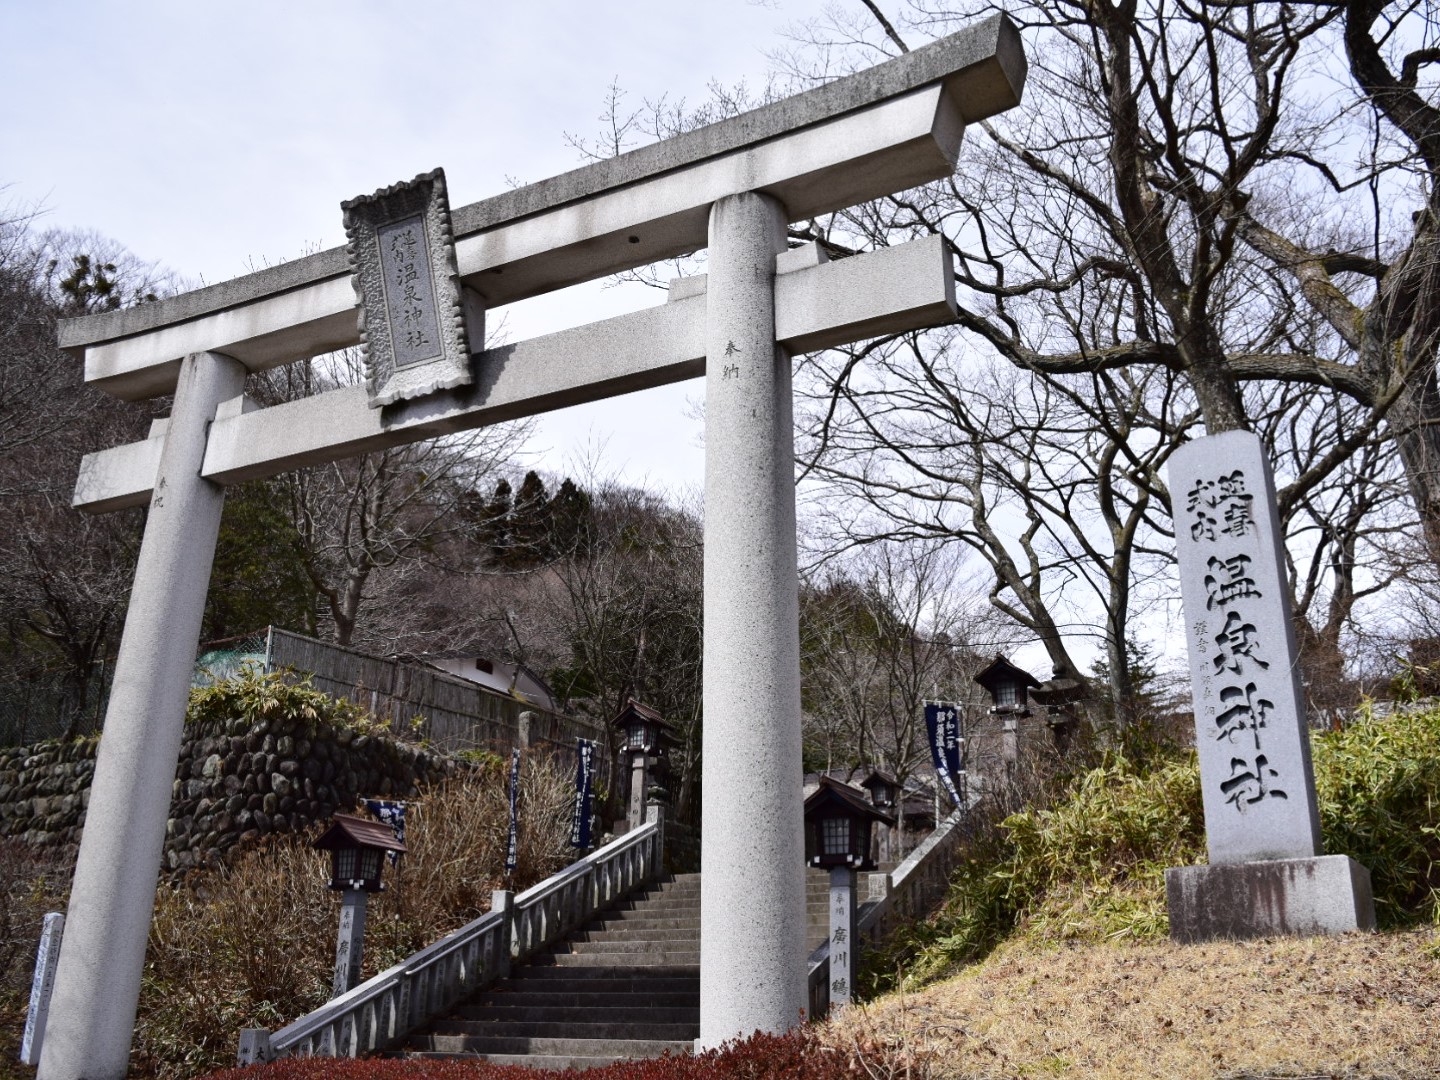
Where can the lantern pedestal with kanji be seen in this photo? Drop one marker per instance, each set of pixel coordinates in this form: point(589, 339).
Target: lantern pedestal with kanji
point(357, 848)
point(838, 822)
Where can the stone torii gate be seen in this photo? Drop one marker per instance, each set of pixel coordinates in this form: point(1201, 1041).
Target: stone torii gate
point(731, 187)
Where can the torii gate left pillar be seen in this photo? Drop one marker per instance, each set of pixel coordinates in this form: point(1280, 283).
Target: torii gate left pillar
point(732, 187)
point(752, 860)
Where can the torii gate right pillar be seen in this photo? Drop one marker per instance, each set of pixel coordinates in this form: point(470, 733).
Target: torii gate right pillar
point(752, 898)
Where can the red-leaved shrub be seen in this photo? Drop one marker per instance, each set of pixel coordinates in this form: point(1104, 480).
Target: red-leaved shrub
point(801, 1054)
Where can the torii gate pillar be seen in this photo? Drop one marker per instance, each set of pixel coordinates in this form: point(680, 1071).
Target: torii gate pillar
point(752, 889)
point(102, 954)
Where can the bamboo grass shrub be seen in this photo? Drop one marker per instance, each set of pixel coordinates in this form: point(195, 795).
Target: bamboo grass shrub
point(1090, 866)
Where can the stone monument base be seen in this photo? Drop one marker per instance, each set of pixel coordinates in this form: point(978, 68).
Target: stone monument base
point(1327, 894)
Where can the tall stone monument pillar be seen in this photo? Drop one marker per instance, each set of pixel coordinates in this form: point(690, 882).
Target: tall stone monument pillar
point(752, 906)
point(1266, 875)
point(102, 956)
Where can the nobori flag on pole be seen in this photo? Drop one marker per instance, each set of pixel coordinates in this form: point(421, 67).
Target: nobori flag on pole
point(584, 794)
point(942, 725)
point(512, 848)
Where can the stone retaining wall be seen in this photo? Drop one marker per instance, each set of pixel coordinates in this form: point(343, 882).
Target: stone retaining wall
point(235, 782)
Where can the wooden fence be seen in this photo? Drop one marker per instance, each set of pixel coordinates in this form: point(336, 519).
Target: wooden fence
point(452, 713)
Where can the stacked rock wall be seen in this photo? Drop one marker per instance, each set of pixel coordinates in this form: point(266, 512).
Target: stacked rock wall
point(235, 782)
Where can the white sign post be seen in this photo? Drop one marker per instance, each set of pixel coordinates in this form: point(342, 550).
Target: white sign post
point(1262, 828)
point(46, 957)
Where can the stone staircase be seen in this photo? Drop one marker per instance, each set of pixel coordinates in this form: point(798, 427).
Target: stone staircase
point(626, 986)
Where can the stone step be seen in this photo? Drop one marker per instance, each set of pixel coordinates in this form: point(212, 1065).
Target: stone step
point(645, 922)
point(673, 886)
point(648, 943)
point(555, 1062)
point(645, 918)
point(637, 933)
point(614, 976)
point(658, 1008)
point(638, 959)
point(645, 926)
point(684, 1000)
point(632, 1029)
point(610, 1049)
point(600, 1005)
point(665, 906)
point(564, 984)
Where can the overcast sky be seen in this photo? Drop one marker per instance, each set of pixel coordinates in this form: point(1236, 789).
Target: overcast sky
point(219, 137)
point(216, 138)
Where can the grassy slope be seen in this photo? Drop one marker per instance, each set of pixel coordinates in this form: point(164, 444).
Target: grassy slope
point(1364, 1005)
point(1052, 958)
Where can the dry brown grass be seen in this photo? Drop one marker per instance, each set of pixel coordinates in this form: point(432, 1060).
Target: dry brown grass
point(33, 881)
point(1362, 1005)
point(253, 944)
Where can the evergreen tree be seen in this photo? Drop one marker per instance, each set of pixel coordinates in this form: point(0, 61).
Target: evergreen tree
point(572, 521)
point(530, 524)
point(259, 577)
point(493, 530)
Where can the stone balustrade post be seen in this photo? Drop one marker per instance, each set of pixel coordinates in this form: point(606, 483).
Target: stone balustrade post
point(254, 1046)
point(655, 811)
point(877, 886)
point(503, 901)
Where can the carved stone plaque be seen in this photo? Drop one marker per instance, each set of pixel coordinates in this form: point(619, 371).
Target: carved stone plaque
point(1254, 747)
point(402, 261)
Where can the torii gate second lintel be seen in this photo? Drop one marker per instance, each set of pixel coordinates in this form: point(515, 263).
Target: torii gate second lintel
point(745, 179)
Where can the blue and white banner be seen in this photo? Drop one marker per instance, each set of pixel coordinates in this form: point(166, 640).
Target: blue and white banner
point(942, 724)
point(584, 794)
point(512, 848)
point(392, 813)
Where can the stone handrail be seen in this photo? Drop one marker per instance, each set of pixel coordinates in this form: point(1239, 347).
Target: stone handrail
point(817, 982)
point(385, 1008)
point(906, 892)
point(914, 886)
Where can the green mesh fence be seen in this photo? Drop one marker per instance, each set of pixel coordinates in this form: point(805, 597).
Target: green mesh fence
point(222, 659)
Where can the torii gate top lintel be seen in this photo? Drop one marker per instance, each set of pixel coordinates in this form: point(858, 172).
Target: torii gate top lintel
point(640, 207)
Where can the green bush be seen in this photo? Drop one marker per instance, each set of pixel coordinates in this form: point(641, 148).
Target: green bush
point(252, 695)
point(1378, 784)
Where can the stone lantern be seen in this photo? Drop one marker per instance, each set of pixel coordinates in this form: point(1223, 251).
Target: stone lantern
point(884, 791)
point(645, 738)
point(885, 796)
point(1008, 686)
point(357, 858)
point(1057, 696)
point(838, 820)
